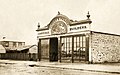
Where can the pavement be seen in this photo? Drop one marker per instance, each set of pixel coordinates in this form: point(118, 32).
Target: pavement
point(105, 68)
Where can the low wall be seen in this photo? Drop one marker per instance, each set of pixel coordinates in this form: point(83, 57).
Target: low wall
point(19, 56)
point(105, 47)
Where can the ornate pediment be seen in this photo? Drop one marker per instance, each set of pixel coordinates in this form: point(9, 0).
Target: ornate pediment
point(59, 24)
point(59, 27)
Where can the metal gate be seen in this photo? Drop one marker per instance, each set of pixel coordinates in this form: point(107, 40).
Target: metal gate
point(66, 49)
point(79, 48)
point(74, 48)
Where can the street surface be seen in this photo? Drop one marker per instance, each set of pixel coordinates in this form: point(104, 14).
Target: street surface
point(28, 68)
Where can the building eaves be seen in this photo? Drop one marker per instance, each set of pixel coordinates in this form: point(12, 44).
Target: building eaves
point(44, 28)
point(105, 33)
point(80, 22)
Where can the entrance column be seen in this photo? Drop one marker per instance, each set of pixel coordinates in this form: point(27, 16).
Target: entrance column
point(72, 49)
point(59, 49)
point(39, 49)
point(87, 48)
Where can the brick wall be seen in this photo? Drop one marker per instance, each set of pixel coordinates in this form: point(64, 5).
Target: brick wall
point(105, 48)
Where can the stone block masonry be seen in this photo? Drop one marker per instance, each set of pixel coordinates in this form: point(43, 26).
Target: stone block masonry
point(105, 47)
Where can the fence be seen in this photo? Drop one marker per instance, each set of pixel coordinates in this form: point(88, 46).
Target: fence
point(19, 56)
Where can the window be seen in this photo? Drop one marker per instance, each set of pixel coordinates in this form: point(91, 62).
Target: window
point(14, 44)
point(5, 44)
point(19, 44)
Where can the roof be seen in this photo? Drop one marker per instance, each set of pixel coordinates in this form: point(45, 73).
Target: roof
point(10, 40)
point(25, 47)
point(81, 22)
point(105, 33)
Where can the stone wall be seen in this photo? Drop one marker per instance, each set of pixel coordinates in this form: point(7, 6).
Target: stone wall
point(105, 47)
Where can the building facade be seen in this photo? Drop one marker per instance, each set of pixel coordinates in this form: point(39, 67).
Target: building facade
point(2, 49)
point(11, 45)
point(65, 40)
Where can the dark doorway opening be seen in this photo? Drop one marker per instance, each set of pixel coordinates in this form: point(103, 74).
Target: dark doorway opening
point(53, 49)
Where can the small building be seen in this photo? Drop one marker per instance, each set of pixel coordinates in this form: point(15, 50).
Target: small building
point(66, 40)
point(10, 44)
point(17, 50)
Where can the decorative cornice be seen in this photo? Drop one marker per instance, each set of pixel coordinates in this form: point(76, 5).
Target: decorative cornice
point(44, 28)
point(67, 20)
point(81, 22)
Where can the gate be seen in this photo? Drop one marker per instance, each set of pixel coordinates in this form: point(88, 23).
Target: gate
point(74, 48)
point(66, 49)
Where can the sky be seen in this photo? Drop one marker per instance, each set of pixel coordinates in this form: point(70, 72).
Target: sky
point(19, 18)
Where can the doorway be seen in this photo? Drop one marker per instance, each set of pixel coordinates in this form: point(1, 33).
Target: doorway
point(53, 53)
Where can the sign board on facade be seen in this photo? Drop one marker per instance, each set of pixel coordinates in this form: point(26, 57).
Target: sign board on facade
point(44, 33)
point(70, 29)
point(78, 28)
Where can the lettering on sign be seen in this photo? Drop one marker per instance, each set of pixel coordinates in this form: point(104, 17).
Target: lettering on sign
point(78, 28)
point(42, 33)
